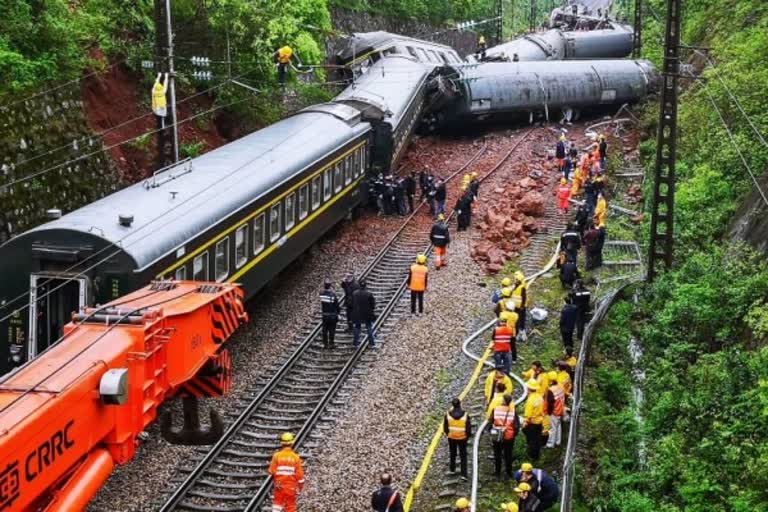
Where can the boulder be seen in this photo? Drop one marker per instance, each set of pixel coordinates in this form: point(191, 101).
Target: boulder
point(532, 203)
point(527, 183)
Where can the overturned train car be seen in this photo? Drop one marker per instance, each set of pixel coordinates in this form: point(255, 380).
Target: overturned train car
point(494, 91)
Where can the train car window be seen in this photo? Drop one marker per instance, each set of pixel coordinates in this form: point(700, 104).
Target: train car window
point(412, 51)
point(200, 267)
point(241, 245)
point(327, 184)
point(290, 211)
point(423, 55)
point(433, 55)
point(337, 177)
point(303, 201)
point(359, 161)
point(258, 234)
point(348, 165)
point(316, 186)
point(274, 223)
point(443, 57)
point(221, 259)
point(181, 273)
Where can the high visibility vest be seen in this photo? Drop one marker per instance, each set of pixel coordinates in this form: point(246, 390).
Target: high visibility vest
point(284, 55)
point(159, 102)
point(502, 338)
point(457, 428)
point(504, 417)
point(418, 278)
point(534, 408)
point(517, 296)
point(559, 406)
point(286, 470)
point(565, 381)
point(600, 211)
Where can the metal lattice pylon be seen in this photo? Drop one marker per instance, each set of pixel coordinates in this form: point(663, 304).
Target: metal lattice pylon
point(662, 224)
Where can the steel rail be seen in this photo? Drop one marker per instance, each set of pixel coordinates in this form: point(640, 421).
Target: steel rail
point(194, 476)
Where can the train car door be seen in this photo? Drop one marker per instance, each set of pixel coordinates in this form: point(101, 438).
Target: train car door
point(53, 297)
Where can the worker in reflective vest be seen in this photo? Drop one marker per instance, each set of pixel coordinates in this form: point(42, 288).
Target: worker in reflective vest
point(287, 474)
point(537, 373)
point(601, 210)
point(417, 283)
point(159, 101)
point(493, 379)
point(533, 425)
point(282, 58)
point(504, 350)
point(503, 435)
point(457, 426)
point(520, 299)
point(563, 195)
point(556, 410)
point(564, 377)
point(440, 238)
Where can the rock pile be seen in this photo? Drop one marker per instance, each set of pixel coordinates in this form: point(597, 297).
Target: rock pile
point(506, 225)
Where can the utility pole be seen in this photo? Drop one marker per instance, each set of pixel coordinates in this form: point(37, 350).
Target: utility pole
point(638, 28)
point(164, 58)
point(662, 225)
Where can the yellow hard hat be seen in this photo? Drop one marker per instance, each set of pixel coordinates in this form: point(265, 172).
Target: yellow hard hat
point(509, 507)
point(506, 292)
point(504, 316)
point(286, 439)
point(420, 258)
point(519, 276)
point(563, 181)
point(440, 217)
point(552, 375)
point(474, 175)
point(562, 137)
point(506, 282)
point(523, 487)
point(462, 503)
point(482, 38)
point(466, 177)
point(532, 385)
point(526, 467)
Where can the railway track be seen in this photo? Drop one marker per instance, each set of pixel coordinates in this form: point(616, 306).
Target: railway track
point(303, 393)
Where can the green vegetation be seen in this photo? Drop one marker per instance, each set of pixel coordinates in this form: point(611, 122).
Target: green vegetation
point(703, 325)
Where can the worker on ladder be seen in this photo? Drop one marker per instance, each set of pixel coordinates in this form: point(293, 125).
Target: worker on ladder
point(287, 474)
point(440, 238)
point(159, 100)
point(282, 58)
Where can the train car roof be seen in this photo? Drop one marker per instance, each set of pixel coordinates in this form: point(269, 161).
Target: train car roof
point(389, 83)
point(220, 183)
point(360, 43)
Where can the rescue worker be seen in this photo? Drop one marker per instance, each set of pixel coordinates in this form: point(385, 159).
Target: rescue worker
point(474, 187)
point(560, 153)
point(495, 378)
point(363, 312)
point(567, 167)
point(417, 283)
point(503, 430)
point(505, 283)
point(577, 181)
point(496, 400)
point(570, 360)
point(282, 58)
point(598, 182)
point(601, 210)
point(589, 193)
point(563, 192)
point(581, 220)
point(537, 373)
point(527, 501)
point(541, 483)
point(564, 377)
point(520, 299)
point(400, 197)
point(603, 149)
point(329, 303)
point(570, 241)
point(349, 285)
point(440, 238)
point(440, 196)
point(503, 343)
point(481, 47)
point(431, 191)
point(568, 316)
point(287, 475)
point(569, 273)
point(506, 303)
point(582, 298)
point(159, 100)
point(462, 505)
point(598, 248)
point(592, 247)
point(556, 410)
point(533, 425)
point(386, 498)
point(457, 426)
point(463, 209)
point(410, 189)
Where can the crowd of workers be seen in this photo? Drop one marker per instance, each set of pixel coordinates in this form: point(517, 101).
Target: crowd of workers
point(548, 391)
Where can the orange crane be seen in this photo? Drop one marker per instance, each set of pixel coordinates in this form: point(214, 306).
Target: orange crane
point(70, 415)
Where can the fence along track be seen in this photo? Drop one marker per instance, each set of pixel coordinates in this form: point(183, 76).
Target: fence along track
point(232, 475)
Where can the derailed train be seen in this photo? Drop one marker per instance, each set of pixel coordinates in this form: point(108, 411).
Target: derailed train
point(243, 212)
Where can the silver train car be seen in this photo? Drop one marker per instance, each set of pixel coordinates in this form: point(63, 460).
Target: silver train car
point(481, 92)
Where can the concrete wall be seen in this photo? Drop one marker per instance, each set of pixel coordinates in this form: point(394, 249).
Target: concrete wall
point(750, 223)
point(33, 128)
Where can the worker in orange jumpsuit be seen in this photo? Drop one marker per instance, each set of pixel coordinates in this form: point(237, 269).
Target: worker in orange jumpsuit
point(563, 195)
point(287, 474)
point(417, 283)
